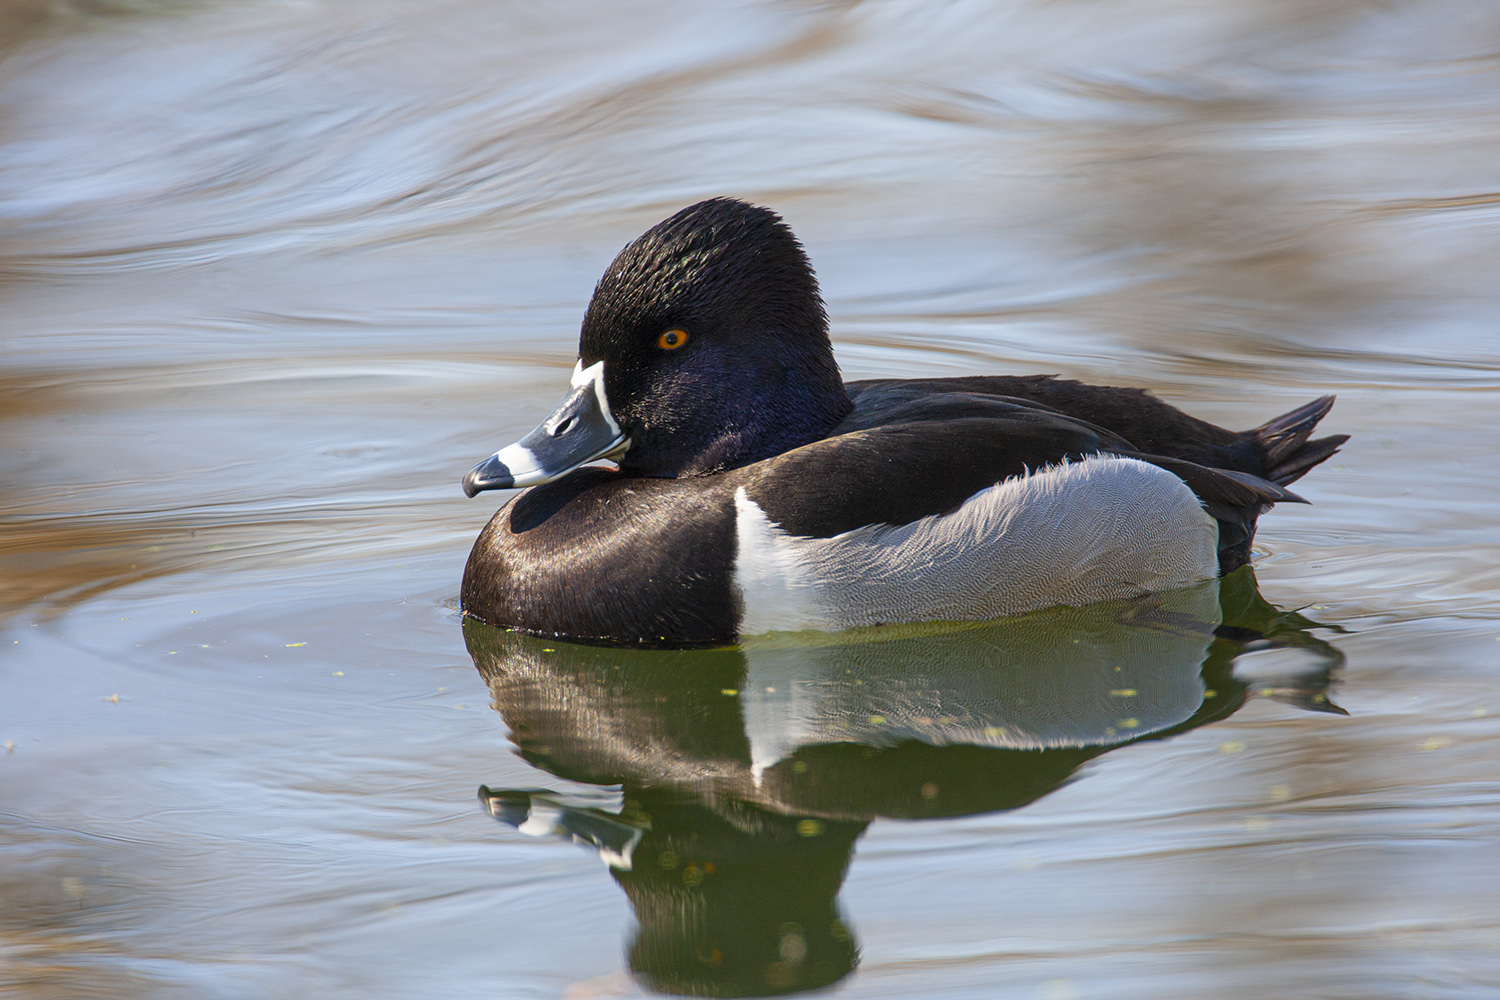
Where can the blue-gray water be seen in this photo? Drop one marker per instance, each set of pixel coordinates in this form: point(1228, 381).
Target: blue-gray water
point(274, 274)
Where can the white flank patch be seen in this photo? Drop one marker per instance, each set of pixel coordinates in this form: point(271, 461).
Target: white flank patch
point(1100, 529)
point(778, 591)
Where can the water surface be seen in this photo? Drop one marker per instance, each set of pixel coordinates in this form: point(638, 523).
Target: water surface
point(274, 275)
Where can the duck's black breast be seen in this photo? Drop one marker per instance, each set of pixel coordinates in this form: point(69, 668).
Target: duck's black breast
point(599, 555)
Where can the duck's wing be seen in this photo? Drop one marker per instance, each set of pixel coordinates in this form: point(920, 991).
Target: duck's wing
point(902, 402)
point(1149, 424)
point(1281, 450)
point(900, 472)
point(947, 448)
point(1222, 490)
point(1216, 486)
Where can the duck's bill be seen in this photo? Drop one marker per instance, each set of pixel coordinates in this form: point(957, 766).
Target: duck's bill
point(580, 431)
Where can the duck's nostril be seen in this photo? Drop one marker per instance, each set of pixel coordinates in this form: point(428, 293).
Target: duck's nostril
point(563, 426)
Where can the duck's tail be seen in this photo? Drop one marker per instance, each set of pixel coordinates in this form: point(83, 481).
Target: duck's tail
point(1283, 441)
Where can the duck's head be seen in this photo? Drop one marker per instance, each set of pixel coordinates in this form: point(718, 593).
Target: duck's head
point(704, 348)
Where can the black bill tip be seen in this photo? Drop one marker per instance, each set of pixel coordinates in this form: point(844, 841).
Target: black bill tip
point(491, 474)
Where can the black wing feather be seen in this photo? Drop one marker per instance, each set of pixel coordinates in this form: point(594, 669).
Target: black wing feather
point(898, 473)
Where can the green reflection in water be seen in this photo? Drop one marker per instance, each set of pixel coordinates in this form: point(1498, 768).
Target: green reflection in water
point(750, 771)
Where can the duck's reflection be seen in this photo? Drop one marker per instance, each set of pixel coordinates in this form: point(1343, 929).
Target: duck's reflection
point(749, 772)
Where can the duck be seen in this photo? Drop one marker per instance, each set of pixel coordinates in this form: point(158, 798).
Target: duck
point(752, 491)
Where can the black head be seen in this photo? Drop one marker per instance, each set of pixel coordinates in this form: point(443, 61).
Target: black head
point(748, 372)
point(704, 348)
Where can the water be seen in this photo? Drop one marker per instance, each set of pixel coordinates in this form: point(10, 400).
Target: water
point(275, 274)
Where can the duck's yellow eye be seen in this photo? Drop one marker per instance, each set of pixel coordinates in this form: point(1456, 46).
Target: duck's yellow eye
point(672, 339)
